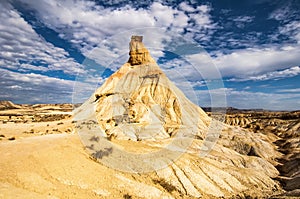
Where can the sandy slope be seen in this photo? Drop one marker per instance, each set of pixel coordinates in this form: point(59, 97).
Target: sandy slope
point(57, 166)
point(22, 130)
point(53, 166)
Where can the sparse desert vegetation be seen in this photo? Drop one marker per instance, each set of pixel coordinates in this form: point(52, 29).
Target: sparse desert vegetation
point(281, 130)
point(285, 137)
point(18, 121)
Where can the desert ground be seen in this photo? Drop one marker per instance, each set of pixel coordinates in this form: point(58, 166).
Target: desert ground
point(42, 157)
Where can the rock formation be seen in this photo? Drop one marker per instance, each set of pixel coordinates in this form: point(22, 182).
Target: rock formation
point(139, 102)
point(138, 53)
point(8, 105)
point(139, 111)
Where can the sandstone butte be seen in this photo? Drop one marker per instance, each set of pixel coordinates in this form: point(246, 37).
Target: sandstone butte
point(140, 110)
point(139, 102)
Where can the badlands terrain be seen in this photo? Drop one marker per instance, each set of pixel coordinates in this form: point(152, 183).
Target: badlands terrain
point(42, 157)
point(138, 136)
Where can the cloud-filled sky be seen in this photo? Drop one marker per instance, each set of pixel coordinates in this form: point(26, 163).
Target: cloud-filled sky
point(57, 51)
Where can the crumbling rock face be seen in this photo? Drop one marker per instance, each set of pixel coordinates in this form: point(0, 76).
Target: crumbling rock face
point(139, 102)
point(138, 53)
point(281, 128)
point(8, 105)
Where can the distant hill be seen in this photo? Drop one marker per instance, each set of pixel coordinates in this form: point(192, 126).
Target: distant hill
point(8, 105)
point(230, 109)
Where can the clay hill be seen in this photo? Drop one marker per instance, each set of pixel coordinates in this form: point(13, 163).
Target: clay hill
point(8, 105)
point(284, 129)
point(138, 136)
point(139, 104)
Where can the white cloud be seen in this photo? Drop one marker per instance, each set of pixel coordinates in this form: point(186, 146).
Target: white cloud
point(163, 15)
point(291, 29)
point(89, 24)
point(35, 79)
point(248, 62)
point(187, 8)
point(241, 21)
point(201, 24)
point(199, 15)
point(279, 14)
point(19, 43)
point(192, 72)
point(43, 89)
point(183, 75)
point(251, 100)
point(195, 68)
point(288, 17)
point(292, 90)
point(204, 65)
point(284, 12)
point(290, 72)
point(14, 87)
point(86, 24)
point(246, 19)
point(204, 8)
point(29, 67)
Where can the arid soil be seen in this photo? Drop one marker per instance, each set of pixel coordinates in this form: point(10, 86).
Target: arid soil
point(284, 130)
point(42, 157)
point(20, 121)
point(173, 142)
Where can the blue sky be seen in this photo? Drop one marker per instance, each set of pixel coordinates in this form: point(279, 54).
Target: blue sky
point(60, 51)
